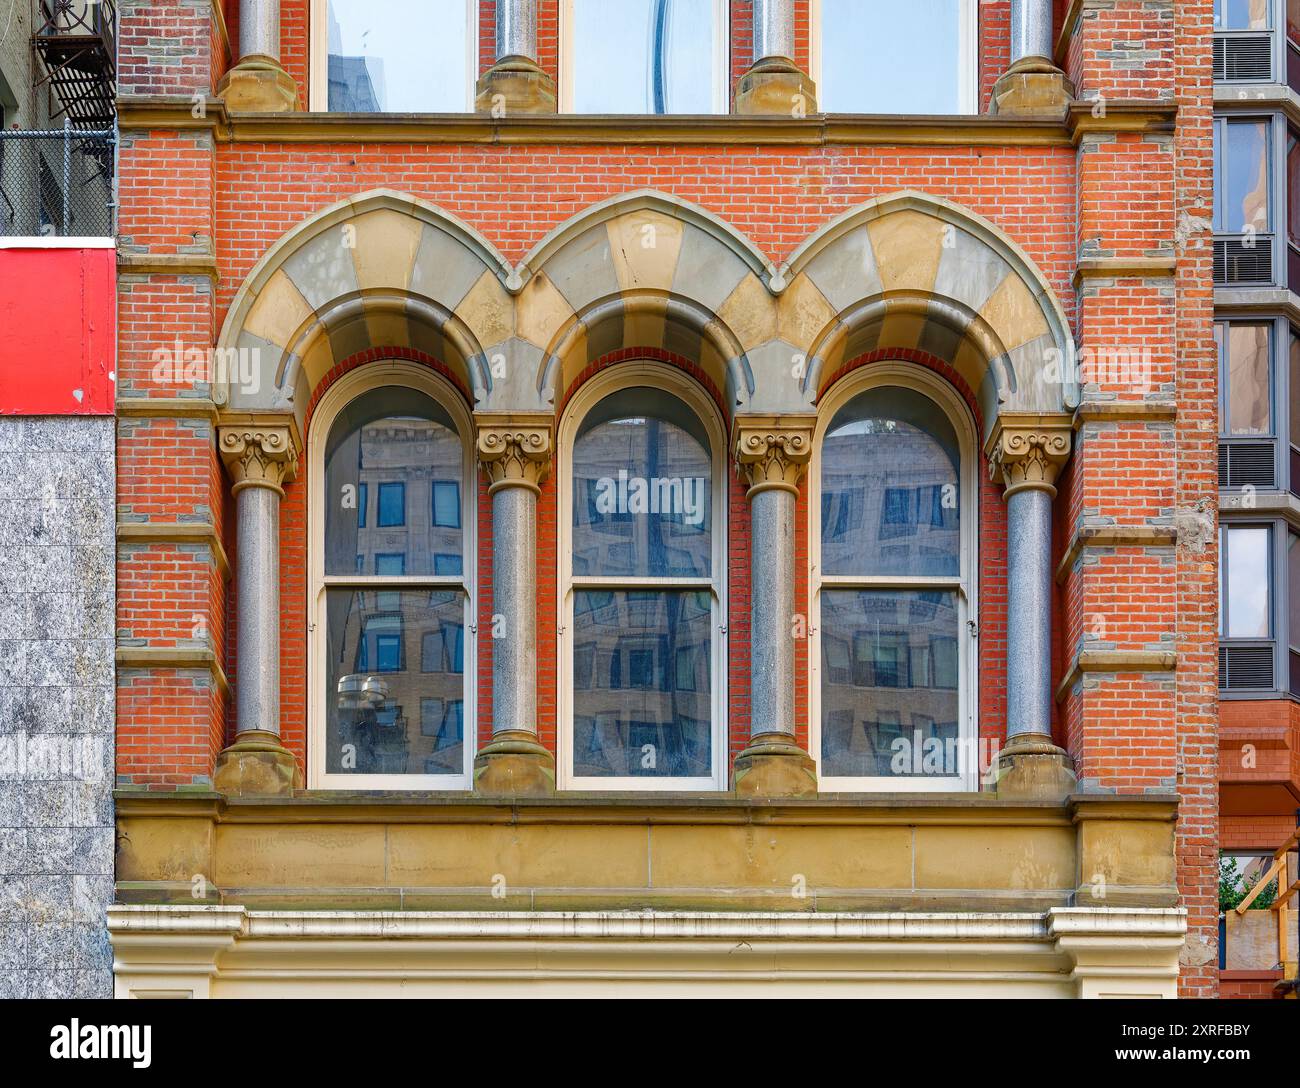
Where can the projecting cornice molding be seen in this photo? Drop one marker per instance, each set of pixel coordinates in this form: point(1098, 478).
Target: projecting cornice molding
point(146, 113)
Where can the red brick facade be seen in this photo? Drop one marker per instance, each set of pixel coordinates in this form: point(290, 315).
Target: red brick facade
point(1096, 195)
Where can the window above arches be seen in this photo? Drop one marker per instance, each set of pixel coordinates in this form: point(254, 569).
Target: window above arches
point(920, 57)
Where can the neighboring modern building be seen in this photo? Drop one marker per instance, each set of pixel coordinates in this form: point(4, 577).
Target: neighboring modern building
point(1257, 334)
point(58, 342)
point(708, 496)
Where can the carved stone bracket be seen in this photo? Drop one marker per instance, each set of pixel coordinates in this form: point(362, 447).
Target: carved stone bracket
point(773, 451)
point(258, 454)
point(1029, 452)
point(515, 450)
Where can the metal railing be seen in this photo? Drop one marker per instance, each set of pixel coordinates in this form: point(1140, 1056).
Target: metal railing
point(57, 183)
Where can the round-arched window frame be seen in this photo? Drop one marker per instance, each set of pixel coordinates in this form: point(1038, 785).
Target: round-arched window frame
point(391, 590)
point(893, 537)
point(642, 577)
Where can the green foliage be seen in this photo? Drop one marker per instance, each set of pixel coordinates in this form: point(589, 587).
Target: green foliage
point(1233, 889)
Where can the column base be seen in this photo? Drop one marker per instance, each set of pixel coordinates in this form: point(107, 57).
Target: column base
point(515, 85)
point(775, 86)
point(1032, 768)
point(774, 766)
point(258, 85)
point(514, 765)
point(1032, 88)
point(256, 765)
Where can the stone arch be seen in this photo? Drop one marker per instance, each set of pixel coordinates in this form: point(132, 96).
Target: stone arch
point(913, 271)
point(378, 269)
point(642, 270)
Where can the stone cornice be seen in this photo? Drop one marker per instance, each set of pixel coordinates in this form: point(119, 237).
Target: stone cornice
point(1027, 451)
point(258, 452)
point(1124, 268)
point(514, 449)
point(137, 113)
point(168, 408)
point(773, 452)
point(456, 807)
point(1112, 411)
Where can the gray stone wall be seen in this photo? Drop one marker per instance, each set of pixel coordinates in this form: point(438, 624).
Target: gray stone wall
point(56, 705)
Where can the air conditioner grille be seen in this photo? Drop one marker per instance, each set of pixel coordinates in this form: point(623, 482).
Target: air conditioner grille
point(1243, 58)
point(1240, 261)
point(1245, 668)
point(1246, 464)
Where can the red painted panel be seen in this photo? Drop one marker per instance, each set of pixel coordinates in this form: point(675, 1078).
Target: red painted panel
point(58, 331)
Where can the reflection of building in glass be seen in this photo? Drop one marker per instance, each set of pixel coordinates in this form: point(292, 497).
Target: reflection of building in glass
point(890, 665)
point(396, 655)
point(356, 84)
point(641, 682)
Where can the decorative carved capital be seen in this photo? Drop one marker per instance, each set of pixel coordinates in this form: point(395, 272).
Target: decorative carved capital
point(1029, 453)
point(258, 454)
point(773, 451)
point(515, 450)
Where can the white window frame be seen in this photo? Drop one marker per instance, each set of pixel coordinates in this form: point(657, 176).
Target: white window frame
point(968, 40)
point(657, 376)
point(721, 60)
point(965, 584)
point(342, 393)
point(318, 61)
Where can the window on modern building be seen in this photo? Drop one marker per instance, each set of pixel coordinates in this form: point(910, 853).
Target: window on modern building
point(918, 57)
point(1293, 44)
point(403, 56)
point(893, 592)
point(1245, 351)
point(1245, 582)
point(1246, 249)
point(1242, 14)
point(1293, 416)
point(1293, 610)
point(446, 503)
point(644, 56)
point(389, 631)
point(643, 585)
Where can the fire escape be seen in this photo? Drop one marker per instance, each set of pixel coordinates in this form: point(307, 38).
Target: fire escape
point(76, 43)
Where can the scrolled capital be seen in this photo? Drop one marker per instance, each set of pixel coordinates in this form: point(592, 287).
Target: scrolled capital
point(773, 452)
point(1029, 455)
point(515, 450)
point(258, 455)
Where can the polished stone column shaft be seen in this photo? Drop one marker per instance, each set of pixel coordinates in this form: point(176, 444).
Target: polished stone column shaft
point(516, 29)
point(773, 29)
point(1031, 29)
point(259, 29)
point(772, 452)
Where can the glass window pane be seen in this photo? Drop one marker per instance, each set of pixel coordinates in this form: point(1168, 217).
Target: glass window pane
point(1241, 14)
point(1242, 202)
point(1294, 421)
point(644, 56)
point(1247, 369)
point(1246, 595)
point(398, 445)
point(642, 483)
point(894, 58)
point(401, 56)
point(446, 504)
point(1293, 608)
point(891, 487)
point(381, 696)
point(642, 684)
point(890, 703)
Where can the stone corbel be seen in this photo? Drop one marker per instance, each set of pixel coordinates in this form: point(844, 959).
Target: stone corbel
point(1028, 452)
point(259, 452)
point(773, 452)
point(515, 449)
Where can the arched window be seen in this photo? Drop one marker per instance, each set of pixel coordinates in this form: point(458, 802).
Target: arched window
point(642, 568)
point(893, 540)
point(391, 599)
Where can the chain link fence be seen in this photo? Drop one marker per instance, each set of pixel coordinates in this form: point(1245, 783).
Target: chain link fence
point(57, 183)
